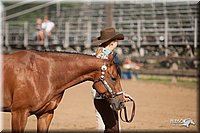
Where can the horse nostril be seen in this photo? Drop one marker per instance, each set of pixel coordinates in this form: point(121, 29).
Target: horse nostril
point(122, 105)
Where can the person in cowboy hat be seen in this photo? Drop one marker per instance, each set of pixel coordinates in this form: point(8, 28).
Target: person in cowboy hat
point(106, 118)
point(107, 42)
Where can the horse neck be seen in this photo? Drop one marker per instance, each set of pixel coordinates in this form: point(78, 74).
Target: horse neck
point(73, 69)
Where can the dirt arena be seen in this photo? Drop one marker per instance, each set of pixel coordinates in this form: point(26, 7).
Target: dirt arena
point(156, 105)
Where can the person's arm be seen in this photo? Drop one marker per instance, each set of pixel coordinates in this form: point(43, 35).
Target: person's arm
point(117, 60)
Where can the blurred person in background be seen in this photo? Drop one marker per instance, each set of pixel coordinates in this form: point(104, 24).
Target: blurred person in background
point(130, 68)
point(106, 118)
point(127, 69)
point(47, 27)
point(39, 33)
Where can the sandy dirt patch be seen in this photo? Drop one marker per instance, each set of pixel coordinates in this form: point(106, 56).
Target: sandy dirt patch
point(156, 105)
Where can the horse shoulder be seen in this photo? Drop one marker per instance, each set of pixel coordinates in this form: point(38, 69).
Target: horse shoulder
point(52, 104)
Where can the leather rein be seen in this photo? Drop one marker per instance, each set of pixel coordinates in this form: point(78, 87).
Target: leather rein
point(126, 114)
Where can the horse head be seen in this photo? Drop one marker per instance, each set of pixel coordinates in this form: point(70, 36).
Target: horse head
point(107, 83)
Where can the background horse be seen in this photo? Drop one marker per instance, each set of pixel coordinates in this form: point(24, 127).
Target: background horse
point(34, 83)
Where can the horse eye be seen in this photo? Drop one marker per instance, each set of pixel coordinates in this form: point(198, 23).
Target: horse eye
point(114, 79)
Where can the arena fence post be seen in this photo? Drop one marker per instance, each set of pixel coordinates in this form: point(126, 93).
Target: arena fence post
point(66, 42)
point(25, 34)
point(166, 36)
point(138, 33)
point(7, 34)
point(89, 29)
point(195, 32)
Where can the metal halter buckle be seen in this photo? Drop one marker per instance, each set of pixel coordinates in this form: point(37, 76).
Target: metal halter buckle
point(104, 67)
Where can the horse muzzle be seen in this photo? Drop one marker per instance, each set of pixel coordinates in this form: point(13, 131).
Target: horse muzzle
point(116, 103)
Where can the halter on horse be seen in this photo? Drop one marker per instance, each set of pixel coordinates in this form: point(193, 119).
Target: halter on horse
point(112, 95)
point(116, 104)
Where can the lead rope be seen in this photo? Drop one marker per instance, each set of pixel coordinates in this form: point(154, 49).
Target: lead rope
point(125, 113)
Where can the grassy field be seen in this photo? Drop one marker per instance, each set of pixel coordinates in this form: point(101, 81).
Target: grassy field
point(190, 83)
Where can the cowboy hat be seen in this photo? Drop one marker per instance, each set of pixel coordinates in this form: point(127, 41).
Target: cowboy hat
point(108, 34)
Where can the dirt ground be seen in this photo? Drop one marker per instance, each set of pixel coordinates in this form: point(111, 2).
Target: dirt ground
point(156, 106)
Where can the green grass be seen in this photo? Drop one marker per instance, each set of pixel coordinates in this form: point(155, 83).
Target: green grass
point(155, 79)
point(189, 83)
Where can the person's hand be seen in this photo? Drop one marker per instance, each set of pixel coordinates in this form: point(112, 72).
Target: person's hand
point(127, 97)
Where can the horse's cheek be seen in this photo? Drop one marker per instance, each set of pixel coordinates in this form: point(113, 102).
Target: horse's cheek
point(99, 88)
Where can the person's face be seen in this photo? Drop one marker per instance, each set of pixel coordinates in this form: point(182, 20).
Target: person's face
point(112, 45)
point(45, 20)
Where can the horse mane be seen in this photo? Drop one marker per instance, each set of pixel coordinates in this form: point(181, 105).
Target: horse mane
point(116, 62)
point(64, 52)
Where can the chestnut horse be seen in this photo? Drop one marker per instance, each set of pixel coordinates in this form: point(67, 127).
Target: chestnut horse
point(34, 83)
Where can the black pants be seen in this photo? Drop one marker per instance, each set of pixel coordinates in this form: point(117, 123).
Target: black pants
point(109, 116)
